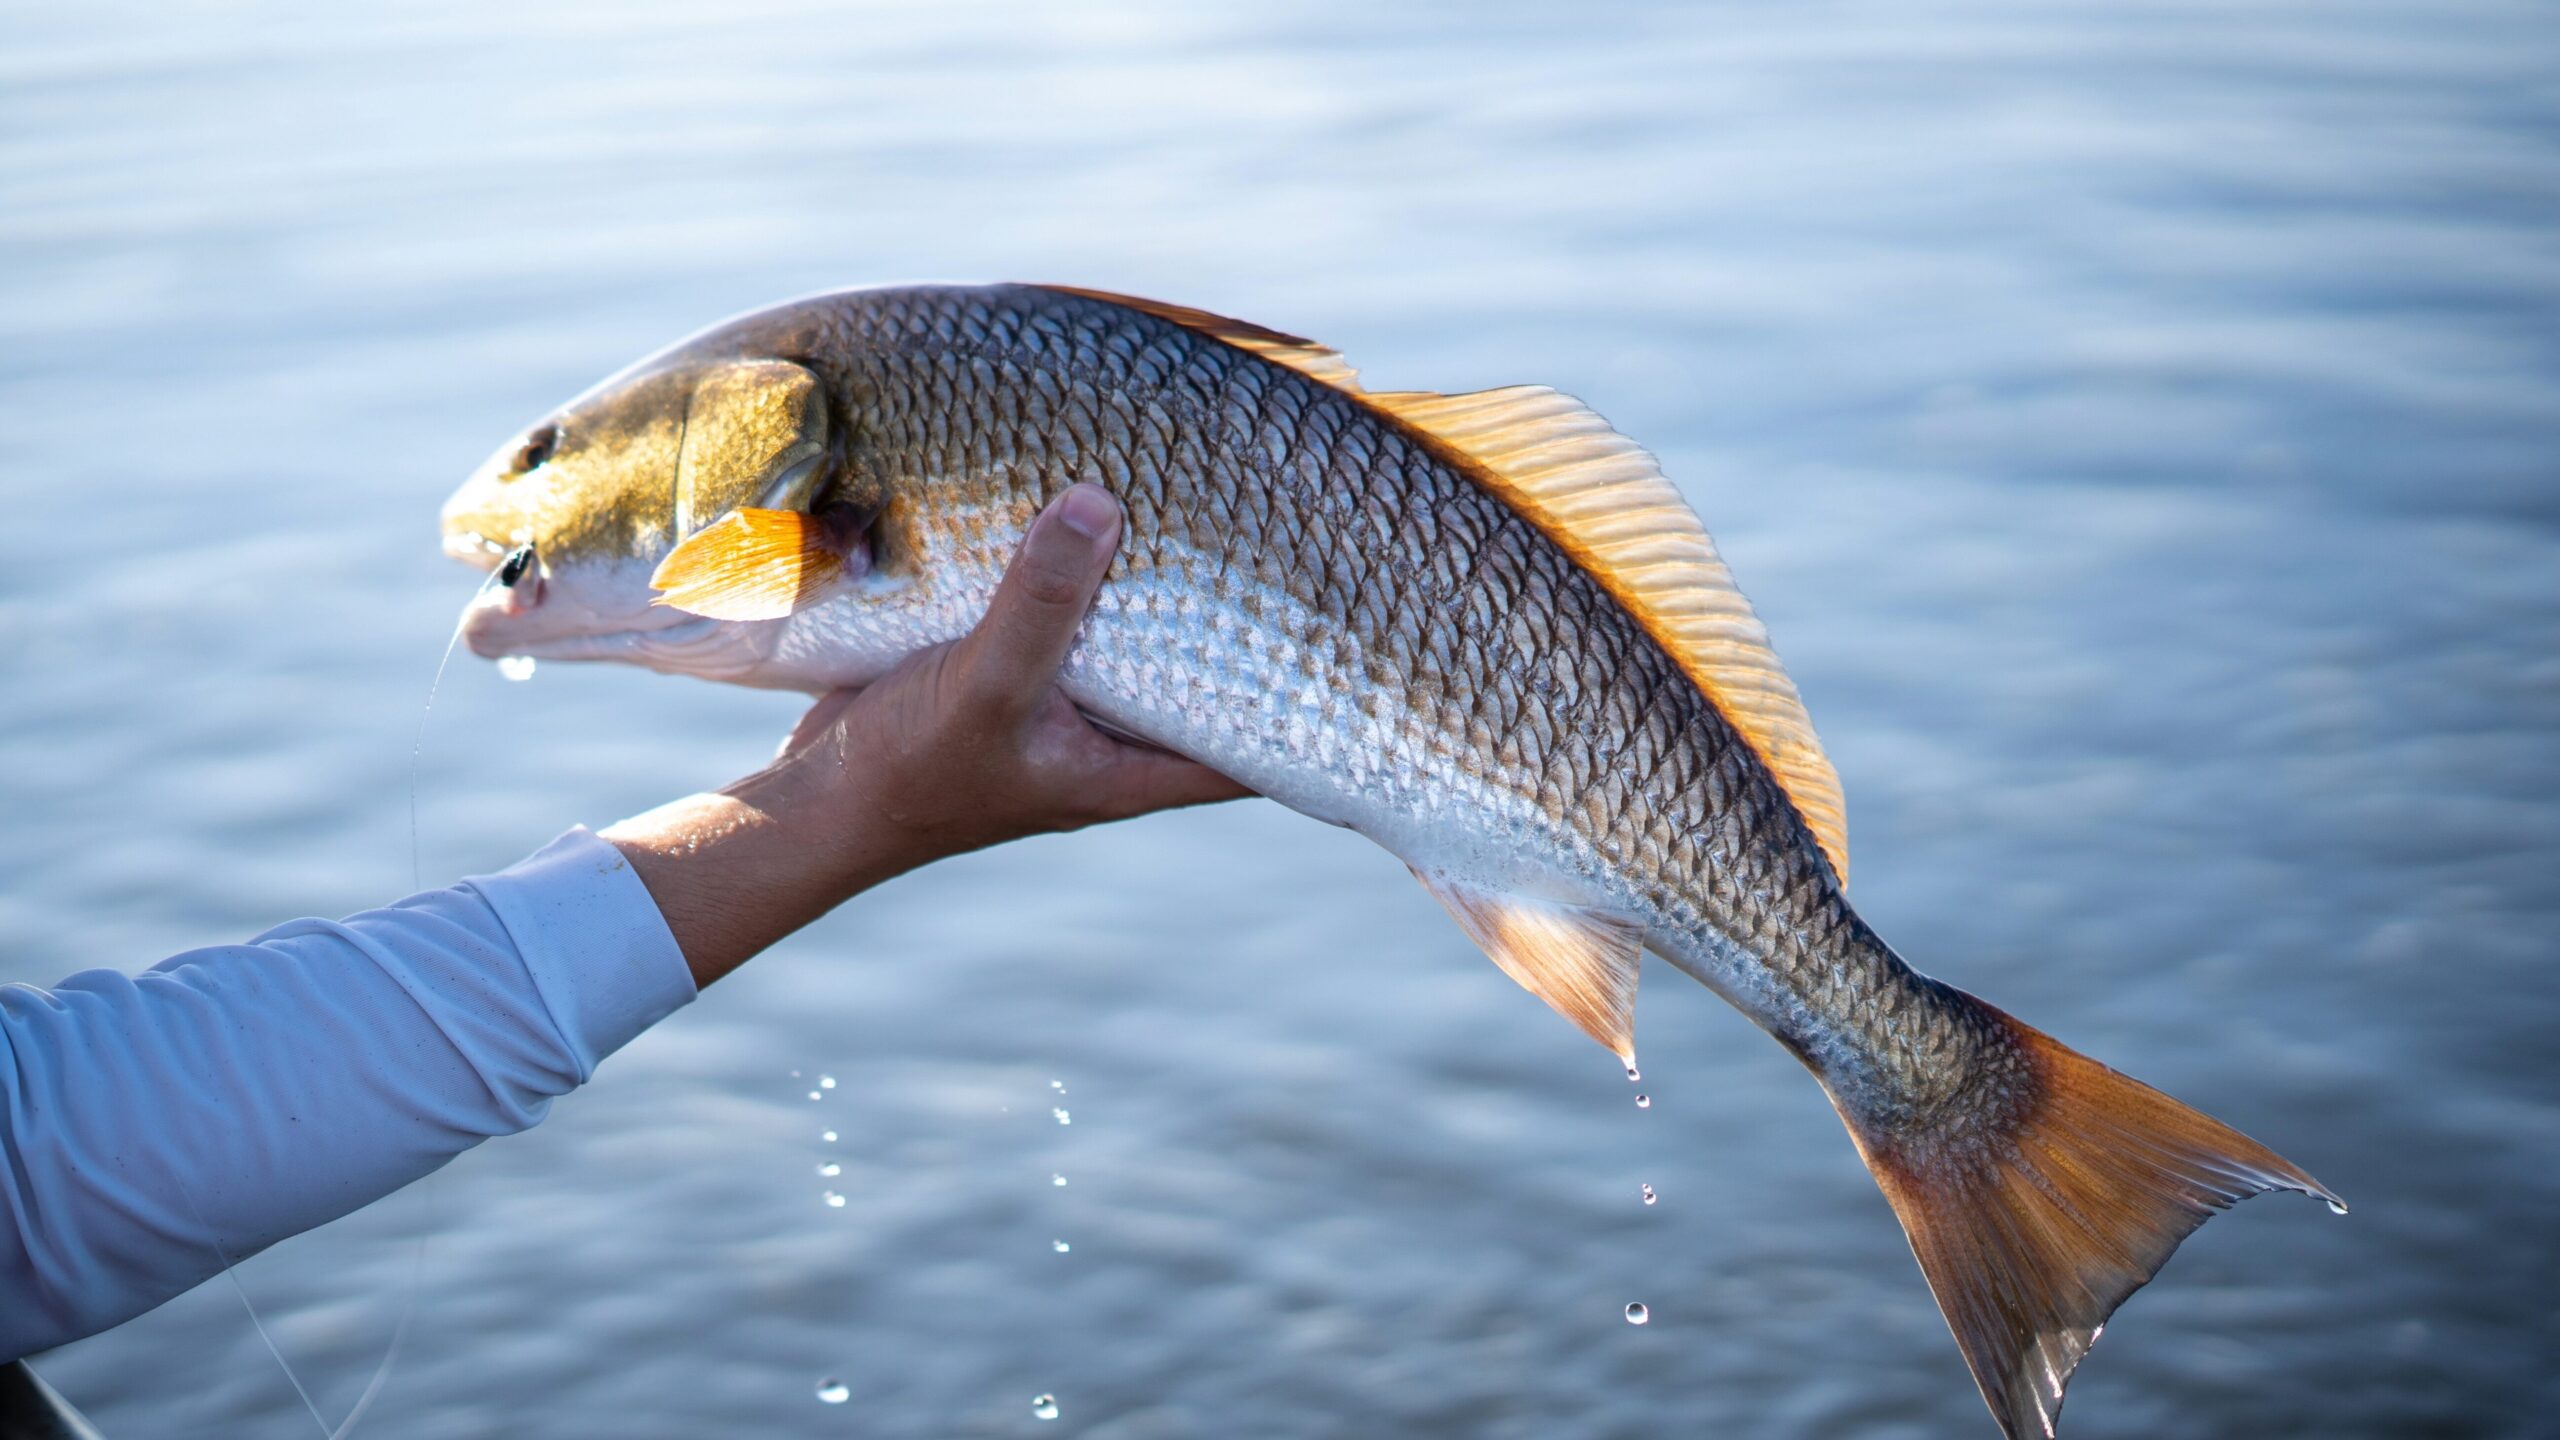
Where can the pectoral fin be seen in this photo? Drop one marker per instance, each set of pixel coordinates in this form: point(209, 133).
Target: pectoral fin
point(751, 565)
point(1580, 960)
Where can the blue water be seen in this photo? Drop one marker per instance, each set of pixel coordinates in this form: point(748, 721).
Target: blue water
point(2140, 426)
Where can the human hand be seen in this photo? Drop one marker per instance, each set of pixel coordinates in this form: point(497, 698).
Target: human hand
point(973, 743)
point(960, 747)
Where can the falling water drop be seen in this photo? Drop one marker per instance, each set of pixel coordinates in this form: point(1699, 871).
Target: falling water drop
point(1644, 1102)
point(1057, 1179)
point(831, 1170)
point(816, 1095)
point(1063, 1117)
point(1058, 1085)
point(1636, 1313)
point(1633, 1074)
point(827, 1135)
point(516, 667)
point(1061, 1246)
point(1045, 1406)
point(834, 1391)
point(1649, 1196)
point(834, 1200)
point(826, 1082)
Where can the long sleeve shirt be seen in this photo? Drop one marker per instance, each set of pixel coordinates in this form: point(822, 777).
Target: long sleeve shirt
point(155, 1126)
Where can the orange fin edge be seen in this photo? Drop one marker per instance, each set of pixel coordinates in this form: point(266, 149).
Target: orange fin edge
point(2034, 1221)
point(1582, 961)
point(750, 565)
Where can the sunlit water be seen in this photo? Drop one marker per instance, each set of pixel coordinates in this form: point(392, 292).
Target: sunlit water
point(2137, 425)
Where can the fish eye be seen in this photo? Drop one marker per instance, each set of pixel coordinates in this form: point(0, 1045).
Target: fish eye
point(538, 449)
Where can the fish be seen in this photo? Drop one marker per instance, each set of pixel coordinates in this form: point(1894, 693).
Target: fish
point(1483, 630)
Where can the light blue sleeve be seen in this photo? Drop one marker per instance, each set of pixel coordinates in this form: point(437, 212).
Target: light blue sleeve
point(232, 1096)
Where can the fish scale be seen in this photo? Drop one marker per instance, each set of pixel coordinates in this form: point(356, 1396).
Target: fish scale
point(1640, 789)
point(1481, 630)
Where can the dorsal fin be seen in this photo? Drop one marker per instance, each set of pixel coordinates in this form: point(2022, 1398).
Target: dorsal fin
point(1305, 356)
point(1601, 496)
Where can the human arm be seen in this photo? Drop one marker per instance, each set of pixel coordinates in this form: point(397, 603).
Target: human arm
point(154, 1127)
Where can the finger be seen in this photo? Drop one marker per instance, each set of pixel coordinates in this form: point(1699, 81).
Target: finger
point(1150, 780)
point(1009, 660)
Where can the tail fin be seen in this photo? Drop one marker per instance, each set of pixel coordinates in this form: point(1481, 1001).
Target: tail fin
point(2060, 1193)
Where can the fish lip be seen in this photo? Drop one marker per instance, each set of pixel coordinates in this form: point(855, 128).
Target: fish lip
point(619, 644)
point(493, 633)
point(691, 645)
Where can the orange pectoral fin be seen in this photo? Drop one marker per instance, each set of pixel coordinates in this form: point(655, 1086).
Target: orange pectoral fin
point(750, 565)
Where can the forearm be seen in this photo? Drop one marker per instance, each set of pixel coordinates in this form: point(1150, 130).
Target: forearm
point(735, 871)
point(156, 1124)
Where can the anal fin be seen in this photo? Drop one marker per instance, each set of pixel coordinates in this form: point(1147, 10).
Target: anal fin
point(1583, 961)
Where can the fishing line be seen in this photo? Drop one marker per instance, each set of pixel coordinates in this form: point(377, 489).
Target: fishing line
point(506, 575)
point(233, 1275)
point(399, 1332)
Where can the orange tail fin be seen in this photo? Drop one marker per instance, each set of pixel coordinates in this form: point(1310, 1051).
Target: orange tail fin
point(2037, 1212)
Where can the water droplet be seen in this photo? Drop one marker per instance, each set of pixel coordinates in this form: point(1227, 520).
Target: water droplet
point(1634, 1074)
point(1649, 1196)
point(1057, 1179)
point(834, 1200)
point(834, 1391)
point(827, 1135)
point(1063, 1117)
point(2337, 1207)
point(516, 667)
point(1643, 1102)
point(795, 1074)
point(813, 1094)
point(1045, 1406)
point(1058, 1085)
point(831, 1170)
point(826, 1082)
point(1061, 1246)
point(1637, 1314)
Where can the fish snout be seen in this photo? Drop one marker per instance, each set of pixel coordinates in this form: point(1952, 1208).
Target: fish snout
point(486, 631)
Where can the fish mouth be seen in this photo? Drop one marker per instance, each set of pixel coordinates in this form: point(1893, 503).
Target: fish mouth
point(587, 612)
point(492, 634)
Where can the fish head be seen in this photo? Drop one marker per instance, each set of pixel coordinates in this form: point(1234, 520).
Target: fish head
point(599, 492)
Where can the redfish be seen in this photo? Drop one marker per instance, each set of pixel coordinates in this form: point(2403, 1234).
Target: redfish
point(1482, 630)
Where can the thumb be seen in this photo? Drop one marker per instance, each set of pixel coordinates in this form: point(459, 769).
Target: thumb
point(1009, 660)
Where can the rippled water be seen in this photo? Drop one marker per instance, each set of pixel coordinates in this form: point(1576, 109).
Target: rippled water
point(2138, 425)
